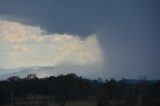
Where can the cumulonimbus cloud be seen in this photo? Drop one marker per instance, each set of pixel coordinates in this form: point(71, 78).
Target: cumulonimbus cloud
point(24, 45)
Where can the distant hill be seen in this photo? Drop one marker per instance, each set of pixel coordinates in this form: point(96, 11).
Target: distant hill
point(23, 72)
point(135, 81)
point(45, 71)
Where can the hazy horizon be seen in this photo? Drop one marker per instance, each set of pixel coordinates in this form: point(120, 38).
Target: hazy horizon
point(107, 39)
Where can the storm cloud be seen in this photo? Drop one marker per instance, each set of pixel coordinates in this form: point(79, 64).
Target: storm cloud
point(26, 46)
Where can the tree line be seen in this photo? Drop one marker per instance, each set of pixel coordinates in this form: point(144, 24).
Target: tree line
point(73, 87)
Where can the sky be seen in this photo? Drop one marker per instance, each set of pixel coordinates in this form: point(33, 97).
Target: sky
point(115, 38)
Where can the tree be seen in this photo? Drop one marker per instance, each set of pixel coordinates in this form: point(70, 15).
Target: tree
point(31, 77)
point(13, 79)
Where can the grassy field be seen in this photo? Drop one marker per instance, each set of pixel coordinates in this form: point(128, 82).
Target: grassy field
point(49, 101)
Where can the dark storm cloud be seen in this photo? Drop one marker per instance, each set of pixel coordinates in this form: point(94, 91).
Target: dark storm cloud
point(128, 29)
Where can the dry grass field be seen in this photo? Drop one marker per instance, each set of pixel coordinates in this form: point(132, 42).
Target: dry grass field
point(49, 101)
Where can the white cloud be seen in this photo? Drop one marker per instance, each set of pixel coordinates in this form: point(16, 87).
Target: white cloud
point(24, 46)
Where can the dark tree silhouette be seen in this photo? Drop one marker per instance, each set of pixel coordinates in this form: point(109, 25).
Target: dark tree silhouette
point(71, 87)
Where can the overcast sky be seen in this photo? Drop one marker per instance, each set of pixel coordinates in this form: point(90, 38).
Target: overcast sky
point(121, 35)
